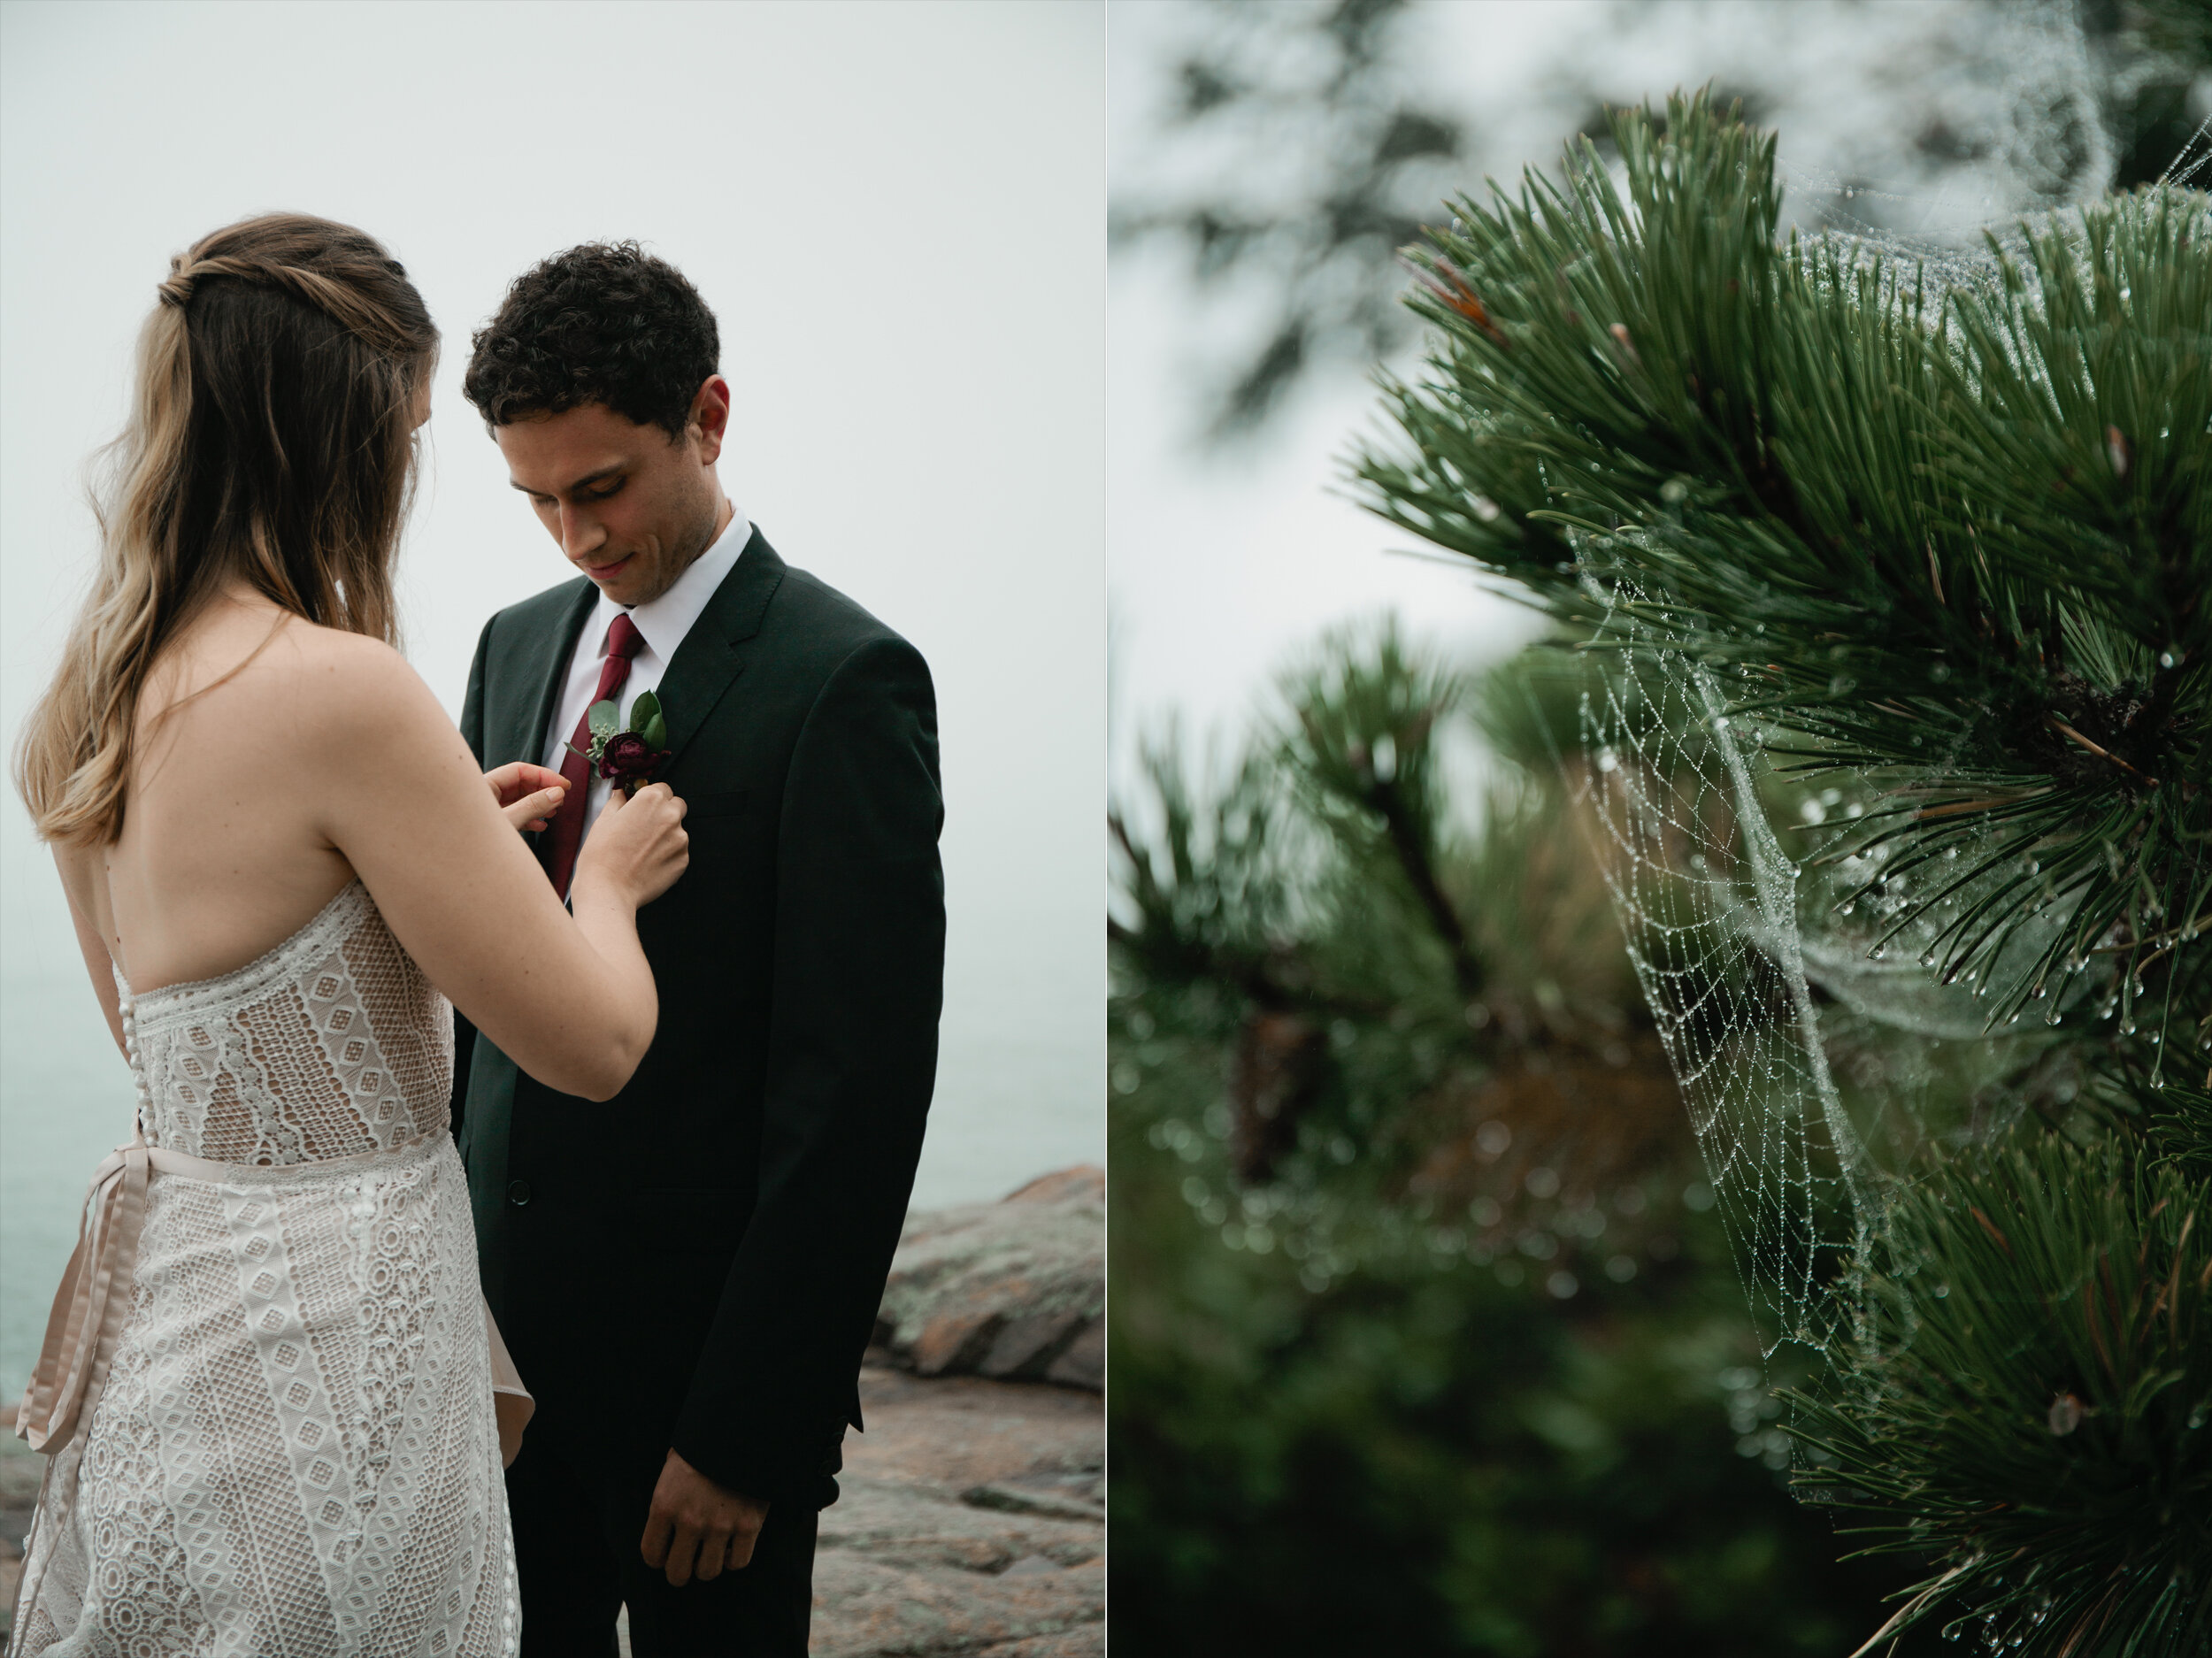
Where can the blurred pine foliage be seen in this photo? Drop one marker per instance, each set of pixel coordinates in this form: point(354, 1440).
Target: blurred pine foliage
point(1424, 1336)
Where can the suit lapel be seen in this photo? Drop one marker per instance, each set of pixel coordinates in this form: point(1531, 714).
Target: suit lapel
point(538, 666)
point(713, 654)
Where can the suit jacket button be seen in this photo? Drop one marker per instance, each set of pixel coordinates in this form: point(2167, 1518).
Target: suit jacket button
point(518, 1191)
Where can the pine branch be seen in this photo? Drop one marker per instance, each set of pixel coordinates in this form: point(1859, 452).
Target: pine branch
point(1960, 536)
point(2024, 1402)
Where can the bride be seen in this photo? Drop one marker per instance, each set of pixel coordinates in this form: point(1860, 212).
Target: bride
point(267, 1392)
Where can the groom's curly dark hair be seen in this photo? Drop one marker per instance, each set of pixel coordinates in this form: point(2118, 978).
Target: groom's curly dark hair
point(605, 323)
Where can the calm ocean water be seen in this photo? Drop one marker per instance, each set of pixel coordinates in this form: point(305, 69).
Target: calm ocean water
point(1020, 1083)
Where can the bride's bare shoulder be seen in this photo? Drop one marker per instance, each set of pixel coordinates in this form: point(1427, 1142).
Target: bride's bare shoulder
point(351, 684)
point(318, 684)
point(333, 659)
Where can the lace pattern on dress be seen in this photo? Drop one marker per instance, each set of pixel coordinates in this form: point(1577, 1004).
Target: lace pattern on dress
point(296, 1450)
point(332, 1043)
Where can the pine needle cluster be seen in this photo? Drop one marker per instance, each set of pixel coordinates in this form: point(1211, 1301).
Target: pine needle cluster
point(1953, 536)
point(2087, 1521)
point(1939, 535)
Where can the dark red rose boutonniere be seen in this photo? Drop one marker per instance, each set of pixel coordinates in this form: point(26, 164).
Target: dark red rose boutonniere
point(627, 755)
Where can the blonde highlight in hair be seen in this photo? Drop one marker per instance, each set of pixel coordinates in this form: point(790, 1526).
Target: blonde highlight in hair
point(269, 444)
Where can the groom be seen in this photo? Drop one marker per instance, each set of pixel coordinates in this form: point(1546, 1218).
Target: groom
point(687, 1274)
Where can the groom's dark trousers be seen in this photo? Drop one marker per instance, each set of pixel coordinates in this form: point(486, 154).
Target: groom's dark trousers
point(697, 1263)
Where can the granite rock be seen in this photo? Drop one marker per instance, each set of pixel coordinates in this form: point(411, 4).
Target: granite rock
point(1014, 1290)
point(1087, 1640)
point(20, 1471)
point(970, 1523)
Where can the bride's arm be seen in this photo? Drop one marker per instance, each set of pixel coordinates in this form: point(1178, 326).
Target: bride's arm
point(96, 960)
point(571, 1000)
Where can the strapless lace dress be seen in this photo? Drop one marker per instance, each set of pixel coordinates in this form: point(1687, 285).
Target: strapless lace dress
point(267, 1392)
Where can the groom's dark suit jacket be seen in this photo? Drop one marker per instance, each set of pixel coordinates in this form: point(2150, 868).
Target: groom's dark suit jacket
point(697, 1263)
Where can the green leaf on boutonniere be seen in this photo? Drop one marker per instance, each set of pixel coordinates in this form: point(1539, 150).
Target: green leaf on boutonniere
point(645, 719)
point(605, 719)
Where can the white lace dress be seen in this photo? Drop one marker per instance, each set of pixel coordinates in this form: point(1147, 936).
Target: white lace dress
point(290, 1447)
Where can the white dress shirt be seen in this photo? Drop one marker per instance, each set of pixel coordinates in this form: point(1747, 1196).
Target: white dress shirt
point(661, 624)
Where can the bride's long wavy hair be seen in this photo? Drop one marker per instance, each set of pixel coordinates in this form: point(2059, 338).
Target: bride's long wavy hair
point(269, 443)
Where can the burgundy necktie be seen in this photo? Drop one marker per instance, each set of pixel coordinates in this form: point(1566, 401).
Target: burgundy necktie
point(565, 834)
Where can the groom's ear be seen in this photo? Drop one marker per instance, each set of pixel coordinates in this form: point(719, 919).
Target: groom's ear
point(710, 418)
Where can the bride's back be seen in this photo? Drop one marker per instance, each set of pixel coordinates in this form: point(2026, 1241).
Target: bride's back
point(244, 596)
point(221, 855)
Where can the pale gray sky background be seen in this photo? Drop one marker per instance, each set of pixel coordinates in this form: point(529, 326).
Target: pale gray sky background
point(897, 213)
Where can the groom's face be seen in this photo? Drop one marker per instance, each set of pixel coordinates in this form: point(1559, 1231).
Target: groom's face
point(630, 508)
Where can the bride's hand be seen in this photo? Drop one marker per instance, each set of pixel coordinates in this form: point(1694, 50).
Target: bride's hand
point(528, 795)
point(638, 845)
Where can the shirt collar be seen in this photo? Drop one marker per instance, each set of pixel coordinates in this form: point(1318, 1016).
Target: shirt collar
point(662, 622)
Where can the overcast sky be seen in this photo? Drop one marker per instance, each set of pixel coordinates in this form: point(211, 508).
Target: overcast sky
point(897, 213)
point(1226, 561)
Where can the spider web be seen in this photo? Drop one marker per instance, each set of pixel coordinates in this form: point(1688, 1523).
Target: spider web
point(1708, 902)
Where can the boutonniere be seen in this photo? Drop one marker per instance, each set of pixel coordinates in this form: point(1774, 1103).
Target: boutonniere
point(627, 755)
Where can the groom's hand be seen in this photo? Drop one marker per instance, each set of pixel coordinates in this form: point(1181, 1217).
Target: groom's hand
point(697, 1528)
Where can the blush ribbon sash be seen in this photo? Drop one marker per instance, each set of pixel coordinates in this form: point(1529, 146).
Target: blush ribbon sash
point(94, 1296)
